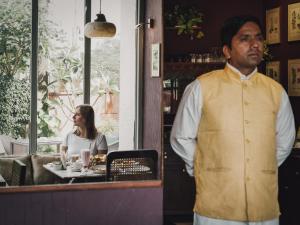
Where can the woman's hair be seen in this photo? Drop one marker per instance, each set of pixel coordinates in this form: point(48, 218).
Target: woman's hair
point(87, 112)
point(232, 26)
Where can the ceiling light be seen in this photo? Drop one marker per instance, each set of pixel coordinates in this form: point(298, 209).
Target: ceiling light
point(99, 28)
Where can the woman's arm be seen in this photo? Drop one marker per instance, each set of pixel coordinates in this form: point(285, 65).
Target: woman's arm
point(101, 144)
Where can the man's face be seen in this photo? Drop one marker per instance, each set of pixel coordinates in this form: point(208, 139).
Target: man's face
point(246, 48)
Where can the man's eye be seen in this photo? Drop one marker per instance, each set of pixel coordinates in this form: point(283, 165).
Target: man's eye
point(245, 38)
point(260, 38)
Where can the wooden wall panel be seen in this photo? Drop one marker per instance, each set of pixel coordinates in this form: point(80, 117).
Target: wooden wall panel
point(132, 206)
point(152, 122)
point(285, 50)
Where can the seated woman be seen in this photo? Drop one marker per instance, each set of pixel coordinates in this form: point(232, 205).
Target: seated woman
point(85, 136)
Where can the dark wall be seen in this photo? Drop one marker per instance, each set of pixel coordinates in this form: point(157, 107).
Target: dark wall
point(215, 12)
point(131, 206)
point(152, 123)
point(285, 50)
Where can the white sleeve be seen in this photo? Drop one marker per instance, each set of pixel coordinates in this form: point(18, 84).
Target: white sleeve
point(184, 131)
point(101, 143)
point(285, 129)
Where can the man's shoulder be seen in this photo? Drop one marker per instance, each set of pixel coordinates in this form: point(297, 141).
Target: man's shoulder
point(270, 81)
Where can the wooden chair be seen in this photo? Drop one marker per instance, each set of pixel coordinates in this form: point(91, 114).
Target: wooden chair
point(131, 165)
point(18, 173)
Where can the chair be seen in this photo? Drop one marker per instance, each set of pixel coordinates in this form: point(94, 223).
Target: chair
point(18, 173)
point(2, 181)
point(131, 165)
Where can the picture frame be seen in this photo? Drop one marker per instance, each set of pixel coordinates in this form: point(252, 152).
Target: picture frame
point(294, 77)
point(155, 60)
point(273, 26)
point(273, 70)
point(294, 22)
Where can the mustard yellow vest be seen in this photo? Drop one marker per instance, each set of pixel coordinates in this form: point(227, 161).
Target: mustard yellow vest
point(235, 160)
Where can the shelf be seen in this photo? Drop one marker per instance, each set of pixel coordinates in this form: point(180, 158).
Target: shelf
point(188, 70)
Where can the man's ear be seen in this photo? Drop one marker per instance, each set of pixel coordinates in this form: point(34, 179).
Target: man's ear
point(226, 52)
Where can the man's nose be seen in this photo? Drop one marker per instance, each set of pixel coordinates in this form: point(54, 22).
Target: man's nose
point(255, 43)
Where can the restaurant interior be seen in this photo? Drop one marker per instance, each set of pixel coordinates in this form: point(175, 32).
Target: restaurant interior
point(133, 72)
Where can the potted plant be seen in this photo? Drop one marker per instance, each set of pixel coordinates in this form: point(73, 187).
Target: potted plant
point(186, 20)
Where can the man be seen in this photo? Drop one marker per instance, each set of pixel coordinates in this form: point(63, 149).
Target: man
point(233, 128)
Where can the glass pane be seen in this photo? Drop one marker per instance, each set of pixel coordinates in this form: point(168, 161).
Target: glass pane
point(15, 53)
point(113, 74)
point(60, 73)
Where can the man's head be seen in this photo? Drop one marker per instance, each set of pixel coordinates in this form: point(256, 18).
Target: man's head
point(242, 42)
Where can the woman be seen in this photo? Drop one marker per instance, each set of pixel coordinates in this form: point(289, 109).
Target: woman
point(85, 136)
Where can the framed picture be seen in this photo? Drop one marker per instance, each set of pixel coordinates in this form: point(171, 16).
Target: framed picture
point(273, 70)
point(294, 77)
point(294, 22)
point(155, 60)
point(273, 26)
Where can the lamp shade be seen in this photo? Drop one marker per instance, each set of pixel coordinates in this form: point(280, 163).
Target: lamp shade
point(99, 28)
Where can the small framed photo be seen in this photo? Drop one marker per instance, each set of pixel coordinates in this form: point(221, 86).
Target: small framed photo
point(294, 77)
point(155, 60)
point(273, 26)
point(273, 70)
point(294, 22)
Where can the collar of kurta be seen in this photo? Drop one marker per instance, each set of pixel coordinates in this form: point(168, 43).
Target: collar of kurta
point(229, 68)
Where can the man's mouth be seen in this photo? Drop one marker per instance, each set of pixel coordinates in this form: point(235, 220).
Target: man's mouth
point(254, 55)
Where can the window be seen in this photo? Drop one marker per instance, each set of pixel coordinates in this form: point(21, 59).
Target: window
point(60, 72)
point(15, 53)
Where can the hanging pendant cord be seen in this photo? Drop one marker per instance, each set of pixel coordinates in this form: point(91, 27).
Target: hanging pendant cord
point(100, 6)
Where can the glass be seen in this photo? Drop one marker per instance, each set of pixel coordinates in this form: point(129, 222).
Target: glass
point(193, 58)
point(15, 48)
point(113, 74)
point(85, 157)
point(199, 58)
point(60, 76)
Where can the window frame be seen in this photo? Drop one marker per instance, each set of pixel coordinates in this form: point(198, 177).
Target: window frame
point(139, 43)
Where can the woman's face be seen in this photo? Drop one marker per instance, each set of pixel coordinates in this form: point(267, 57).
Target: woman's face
point(78, 119)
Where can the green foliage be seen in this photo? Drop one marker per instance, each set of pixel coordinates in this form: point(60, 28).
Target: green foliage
point(15, 51)
point(15, 106)
point(187, 20)
point(15, 36)
point(15, 48)
point(105, 69)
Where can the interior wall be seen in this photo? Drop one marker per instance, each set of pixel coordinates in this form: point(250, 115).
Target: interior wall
point(215, 12)
point(126, 206)
point(285, 50)
point(152, 122)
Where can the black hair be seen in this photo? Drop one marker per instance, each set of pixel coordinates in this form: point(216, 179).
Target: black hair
point(232, 25)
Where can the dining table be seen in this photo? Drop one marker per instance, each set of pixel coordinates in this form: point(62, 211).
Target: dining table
point(84, 175)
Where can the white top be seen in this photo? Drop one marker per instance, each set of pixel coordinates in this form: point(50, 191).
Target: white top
point(76, 143)
point(185, 127)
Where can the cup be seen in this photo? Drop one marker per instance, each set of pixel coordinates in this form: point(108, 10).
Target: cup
point(85, 157)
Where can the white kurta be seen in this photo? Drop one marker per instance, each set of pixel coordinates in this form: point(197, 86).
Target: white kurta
point(184, 134)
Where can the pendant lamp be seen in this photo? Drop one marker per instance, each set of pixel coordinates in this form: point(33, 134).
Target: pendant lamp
point(99, 28)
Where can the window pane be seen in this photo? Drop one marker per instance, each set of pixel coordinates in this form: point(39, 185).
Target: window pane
point(15, 53)
point(113, 74)
point(60, 74)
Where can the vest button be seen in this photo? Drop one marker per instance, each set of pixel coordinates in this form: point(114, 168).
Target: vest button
point(247, 160)
point(247, 178)
point(247, 121)
point(247, 141)
point(246, 103)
